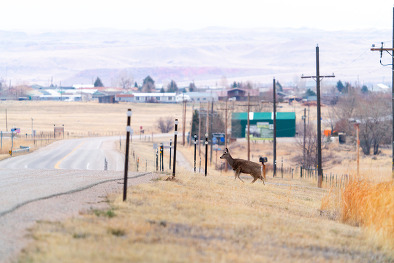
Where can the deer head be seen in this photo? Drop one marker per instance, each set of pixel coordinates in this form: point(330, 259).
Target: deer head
point(225, 154)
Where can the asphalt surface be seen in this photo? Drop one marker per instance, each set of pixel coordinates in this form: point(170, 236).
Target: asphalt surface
point(56, 182)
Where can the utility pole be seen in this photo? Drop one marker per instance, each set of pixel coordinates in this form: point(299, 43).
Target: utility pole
point(225, 133)
point(199, 133)
point(274, 120)
point(184, 123)
point(304, 149)
point(319, 156)
point(6, 121)
point(211, 128)
point(392, 89)
point(207, 126)
point(248, 138)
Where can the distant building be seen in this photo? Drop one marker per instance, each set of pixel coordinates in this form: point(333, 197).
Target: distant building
point(198, 96)
point(124, 97)
point(261, 124)
point(107, 99)
point(238, 94)
point(155, 97)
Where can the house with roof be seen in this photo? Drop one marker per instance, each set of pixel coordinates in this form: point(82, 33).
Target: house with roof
point(261, 125)
point(238, 94)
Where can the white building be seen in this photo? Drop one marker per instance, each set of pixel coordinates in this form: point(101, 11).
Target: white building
point(155, 97)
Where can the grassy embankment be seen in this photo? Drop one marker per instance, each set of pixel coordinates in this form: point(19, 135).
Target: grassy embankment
point(205, 219)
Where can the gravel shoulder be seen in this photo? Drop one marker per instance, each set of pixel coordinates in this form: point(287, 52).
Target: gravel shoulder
point(14, 225)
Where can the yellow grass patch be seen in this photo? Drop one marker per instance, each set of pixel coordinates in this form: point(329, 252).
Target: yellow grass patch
point(203, 219)
point(368, 204)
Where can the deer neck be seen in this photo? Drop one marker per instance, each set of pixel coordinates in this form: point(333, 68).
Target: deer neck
point(230, 160)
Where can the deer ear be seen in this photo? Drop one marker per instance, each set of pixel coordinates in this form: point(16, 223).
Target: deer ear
point(226, 150)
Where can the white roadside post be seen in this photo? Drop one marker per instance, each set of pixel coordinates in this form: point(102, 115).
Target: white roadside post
point(126, 163)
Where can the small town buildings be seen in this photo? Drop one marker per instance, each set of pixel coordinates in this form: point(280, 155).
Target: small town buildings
point(261, 125)
point(238, 94)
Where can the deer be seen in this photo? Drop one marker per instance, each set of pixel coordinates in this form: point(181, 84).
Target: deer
point(243, 166)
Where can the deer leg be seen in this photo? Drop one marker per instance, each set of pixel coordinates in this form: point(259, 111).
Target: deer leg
point(254, 179)
point(237, 173)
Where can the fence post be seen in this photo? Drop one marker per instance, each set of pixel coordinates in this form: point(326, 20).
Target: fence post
point(126, 163)
point(206, 153)
point(175, 139)
point(170, 154)
point(195, 151)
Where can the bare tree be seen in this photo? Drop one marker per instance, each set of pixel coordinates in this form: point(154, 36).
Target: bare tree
point(165, 125)
point(125, 79)
point(374, 113)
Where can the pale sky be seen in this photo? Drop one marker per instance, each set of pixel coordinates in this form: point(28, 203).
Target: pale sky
point(60, 15)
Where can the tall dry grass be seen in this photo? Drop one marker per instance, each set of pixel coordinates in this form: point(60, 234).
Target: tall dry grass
point(367, 204)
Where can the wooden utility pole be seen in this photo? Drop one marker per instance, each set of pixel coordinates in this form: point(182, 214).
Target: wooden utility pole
point(304, 146)
point(319, 155)
point(388, 50)
point(274, 120)
point(183, 122)
point(211, 128)
point(225, 133)
point(199, 132)
point(248, 135)
point(357, 126)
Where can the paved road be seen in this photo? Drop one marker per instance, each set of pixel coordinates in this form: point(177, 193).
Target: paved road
point(77, 154)
point(55, 182)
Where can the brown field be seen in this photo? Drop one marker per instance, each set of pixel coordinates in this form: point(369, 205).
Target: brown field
point(213, 218)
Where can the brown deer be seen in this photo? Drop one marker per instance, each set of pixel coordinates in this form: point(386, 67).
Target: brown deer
point(243, 166)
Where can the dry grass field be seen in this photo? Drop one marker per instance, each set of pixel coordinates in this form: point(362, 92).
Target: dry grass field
point(213, 218)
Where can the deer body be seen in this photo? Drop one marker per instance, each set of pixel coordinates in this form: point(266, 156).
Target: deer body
point(243, 166)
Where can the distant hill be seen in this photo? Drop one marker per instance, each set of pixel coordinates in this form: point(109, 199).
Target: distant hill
point(204, 56)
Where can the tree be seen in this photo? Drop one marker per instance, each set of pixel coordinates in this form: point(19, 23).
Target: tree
point(172, 87)
point(309, 93)
point(192, 87)
point(148, 84)
point(98, 83)
point(364, 89)
point(374, 113)
point(162, 90)
point(340, 86)
point(125, 79)
point(279, 86)
point(165, 125)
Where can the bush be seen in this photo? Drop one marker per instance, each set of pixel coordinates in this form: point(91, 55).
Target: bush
point(165, 125)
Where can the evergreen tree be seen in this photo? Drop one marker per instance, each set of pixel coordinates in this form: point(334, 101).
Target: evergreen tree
point(192, 87)
point(340, 86)
point(172, 87)
point(309, 93)
point(148, 84)
point(364, 89)
point(98, 83)
point(279, 86)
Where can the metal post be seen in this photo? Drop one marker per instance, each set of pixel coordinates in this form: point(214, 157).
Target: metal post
point(206, 153)
point(274, 120)
point(175, 139)
point(126, 163)
point(170, 153)
point(162, 157)
point(319, 158)
point(195, 151)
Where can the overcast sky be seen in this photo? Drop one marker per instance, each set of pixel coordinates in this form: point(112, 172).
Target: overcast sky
point(59, 15)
